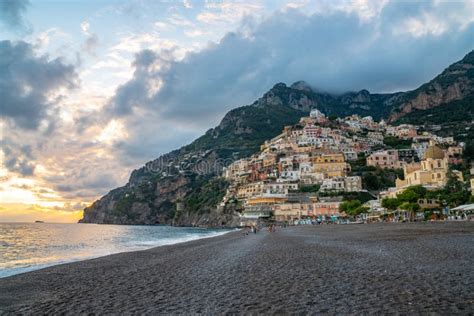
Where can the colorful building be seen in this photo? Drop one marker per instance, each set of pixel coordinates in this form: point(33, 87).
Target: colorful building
point(431, 171)
point(331, 165)
point(385, 159)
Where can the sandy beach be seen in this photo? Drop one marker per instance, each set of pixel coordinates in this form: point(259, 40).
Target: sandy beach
point(378, 268)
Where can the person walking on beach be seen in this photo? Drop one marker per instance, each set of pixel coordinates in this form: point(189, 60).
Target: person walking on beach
point(271, 228)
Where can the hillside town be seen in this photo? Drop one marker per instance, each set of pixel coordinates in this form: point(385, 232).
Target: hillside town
point(315, 171)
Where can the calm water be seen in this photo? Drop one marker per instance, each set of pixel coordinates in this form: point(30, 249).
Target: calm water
point(31, 246)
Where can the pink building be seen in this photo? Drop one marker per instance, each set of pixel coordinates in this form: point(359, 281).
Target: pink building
point(406, 131)
point(386, 159)
point(455, 155)
point(326, 208)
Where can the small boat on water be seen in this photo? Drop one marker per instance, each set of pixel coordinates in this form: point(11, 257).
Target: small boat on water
point(39, 222)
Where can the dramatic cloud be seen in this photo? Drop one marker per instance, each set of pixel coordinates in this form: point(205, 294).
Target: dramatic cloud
point(17, 159)
point(30, 86)
point(387, 48)
point(88, 186)
point(135, 92)
point(12, 14)
point(336, 53)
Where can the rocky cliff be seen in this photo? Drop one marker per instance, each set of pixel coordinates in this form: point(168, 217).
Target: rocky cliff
point(183, 187)
point(455, 83)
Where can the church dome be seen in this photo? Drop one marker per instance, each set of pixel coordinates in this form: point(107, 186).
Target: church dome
point(434, 152)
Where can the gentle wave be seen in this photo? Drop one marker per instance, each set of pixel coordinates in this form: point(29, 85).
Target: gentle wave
point(26, 247)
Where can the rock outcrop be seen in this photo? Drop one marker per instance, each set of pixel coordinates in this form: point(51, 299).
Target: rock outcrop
point(454, 83)
point(180, 187)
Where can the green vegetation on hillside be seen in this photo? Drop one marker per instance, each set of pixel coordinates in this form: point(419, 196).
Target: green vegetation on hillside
point(374, 179)
point(353, 207)
point(453, 119)
point(397, 143)
point(206, 195)
point(310, 188)
point(244, 129)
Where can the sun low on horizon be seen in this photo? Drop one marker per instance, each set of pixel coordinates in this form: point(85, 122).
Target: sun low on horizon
point(92, 90)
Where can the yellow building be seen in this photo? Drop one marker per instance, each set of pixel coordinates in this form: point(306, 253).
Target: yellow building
point(266, 199)
point(287, 212)
point(250, 189)
point(331, 165)
point(431, 171)
point(293, 211)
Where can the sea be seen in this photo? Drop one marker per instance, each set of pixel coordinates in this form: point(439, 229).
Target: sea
point(30, 246)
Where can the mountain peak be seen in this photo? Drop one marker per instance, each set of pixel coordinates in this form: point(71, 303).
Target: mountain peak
point(469, 58)
point(301, 85)
point(279, 85)
point(456, 82)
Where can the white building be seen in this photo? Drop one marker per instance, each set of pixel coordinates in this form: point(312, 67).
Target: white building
point(420, 148)
point(312, 177)
point(350, 155)
point(347, 184)
point(333, 184)
point(290, 175)
point(317, 115)
point(353, 184)
point(280, 187)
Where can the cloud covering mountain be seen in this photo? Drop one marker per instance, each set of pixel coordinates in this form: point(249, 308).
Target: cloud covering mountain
point(402, 46)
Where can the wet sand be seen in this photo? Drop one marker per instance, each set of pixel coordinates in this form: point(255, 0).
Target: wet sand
point(377, 268)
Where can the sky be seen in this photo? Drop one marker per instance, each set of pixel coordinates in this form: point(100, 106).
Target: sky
point(90, 90)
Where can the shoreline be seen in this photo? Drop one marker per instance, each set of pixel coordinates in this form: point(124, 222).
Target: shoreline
point(213, 232)
point(376, 268)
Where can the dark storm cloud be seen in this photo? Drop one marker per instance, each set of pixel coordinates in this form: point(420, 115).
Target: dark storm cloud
point(27, 83)
point(12, 14)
